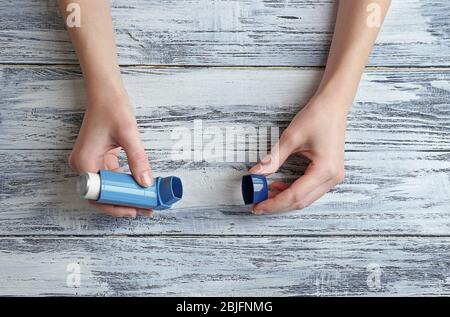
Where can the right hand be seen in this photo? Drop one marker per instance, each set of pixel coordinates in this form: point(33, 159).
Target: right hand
point(318, 133)
point(108, 126)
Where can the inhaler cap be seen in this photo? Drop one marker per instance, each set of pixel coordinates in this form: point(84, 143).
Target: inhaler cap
point(170, 190)
point(88, 186)
point(254, 189)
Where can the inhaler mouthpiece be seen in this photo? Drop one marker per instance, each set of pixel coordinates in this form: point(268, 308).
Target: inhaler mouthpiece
point(170, 190)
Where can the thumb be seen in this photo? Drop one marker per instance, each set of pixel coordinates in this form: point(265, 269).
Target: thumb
point(137, 158)
point(278, 155)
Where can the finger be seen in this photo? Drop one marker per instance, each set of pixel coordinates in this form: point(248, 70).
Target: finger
point(276, 187)
point(278, 155)
point(84, 163)
point(111, 161)
point(280, 186)
point(116, 211)
point(294, 196)
point(137, 158)
point(145, 212)
point(318, 193)
point(277, 203)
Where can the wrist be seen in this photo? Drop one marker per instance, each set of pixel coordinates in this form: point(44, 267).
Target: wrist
point(107, 94)
point(102, 82)
point(336, 95)
point(339, 86)
point(330, 102)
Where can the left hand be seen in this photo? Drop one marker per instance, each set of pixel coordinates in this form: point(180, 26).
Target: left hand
point(318, 133)
point(108, 126)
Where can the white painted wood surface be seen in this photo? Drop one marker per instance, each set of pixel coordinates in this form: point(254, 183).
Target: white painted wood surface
point(227, 32)
point(226, 266)
point(394, 110)
point(385, 193)
point(392, 211)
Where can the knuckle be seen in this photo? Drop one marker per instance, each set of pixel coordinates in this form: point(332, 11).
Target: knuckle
point(301, 204)
point(339, 177)
point(80, 160)
point(329, 172)
point(288, 138)
point(72, 161)
point(298, 200)
point(114, 214)
point(291, 195)
point(127, 124)
point(110, 211)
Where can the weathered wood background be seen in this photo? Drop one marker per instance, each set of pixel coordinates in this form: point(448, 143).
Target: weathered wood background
point(242, 64)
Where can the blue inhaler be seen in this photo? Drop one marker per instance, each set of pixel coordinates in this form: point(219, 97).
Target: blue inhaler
point(254, 189)
point(114, 188)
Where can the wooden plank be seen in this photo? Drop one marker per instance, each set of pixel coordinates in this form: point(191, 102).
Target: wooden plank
point(226, 266)
point(227, 32)
point(395, 109)
point(396, 193)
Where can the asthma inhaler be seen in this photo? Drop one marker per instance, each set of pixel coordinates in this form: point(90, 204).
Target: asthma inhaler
point(254, 189)
point(107, 187)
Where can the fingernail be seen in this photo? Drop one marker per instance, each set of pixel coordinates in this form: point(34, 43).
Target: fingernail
point(258, 211)
point(146, 179)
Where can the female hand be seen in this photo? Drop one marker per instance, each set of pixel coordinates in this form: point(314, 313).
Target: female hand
point(318, 133)
point(109, 125)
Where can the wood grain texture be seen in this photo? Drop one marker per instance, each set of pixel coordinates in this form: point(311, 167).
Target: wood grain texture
point(226, 266)
point(42, 108)
point(391, 213)
point(394, 193)
point(227, 32)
